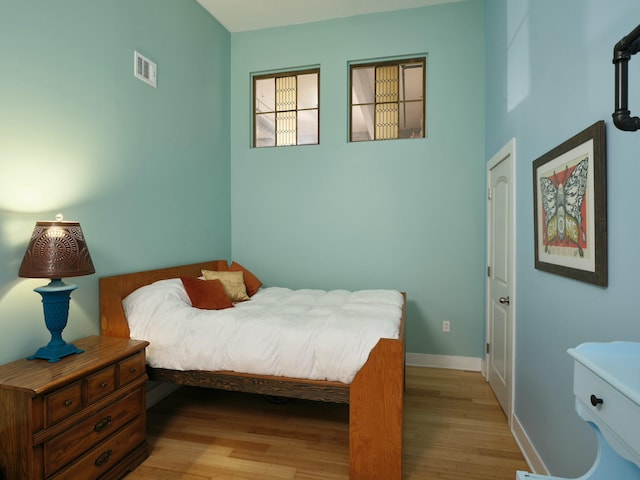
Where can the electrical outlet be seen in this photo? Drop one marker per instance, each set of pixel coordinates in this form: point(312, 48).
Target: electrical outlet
point(446, 326)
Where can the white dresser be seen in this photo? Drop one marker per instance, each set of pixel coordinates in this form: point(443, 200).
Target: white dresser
point(606, 385)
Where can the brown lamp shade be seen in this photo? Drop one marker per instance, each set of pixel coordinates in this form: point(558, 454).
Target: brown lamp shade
point(56, 250)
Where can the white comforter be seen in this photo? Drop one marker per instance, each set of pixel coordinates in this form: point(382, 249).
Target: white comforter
point(313, 334)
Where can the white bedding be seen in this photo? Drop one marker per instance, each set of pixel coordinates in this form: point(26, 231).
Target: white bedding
point(313, 334)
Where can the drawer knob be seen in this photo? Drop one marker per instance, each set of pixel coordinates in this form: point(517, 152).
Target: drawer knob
point(68, 403)
point(102, 424)
point(133, 369)
point(595, 401)
point(104, 384)
point(104, 458)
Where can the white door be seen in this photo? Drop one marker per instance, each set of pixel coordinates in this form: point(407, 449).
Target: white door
point(500, 273)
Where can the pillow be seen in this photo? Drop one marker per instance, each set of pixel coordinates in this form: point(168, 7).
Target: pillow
point(144, 301)
point(206, 295)
point(233, 283)
point(252, 282)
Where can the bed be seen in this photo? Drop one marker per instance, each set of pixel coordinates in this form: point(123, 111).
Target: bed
point(375, 396)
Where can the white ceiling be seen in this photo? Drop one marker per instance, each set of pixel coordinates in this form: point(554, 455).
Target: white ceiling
point(242, 15)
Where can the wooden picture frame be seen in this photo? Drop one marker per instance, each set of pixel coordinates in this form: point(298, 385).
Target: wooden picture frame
point(570, 207)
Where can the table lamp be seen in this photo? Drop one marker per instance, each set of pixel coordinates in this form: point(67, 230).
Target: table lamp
point(56, 249)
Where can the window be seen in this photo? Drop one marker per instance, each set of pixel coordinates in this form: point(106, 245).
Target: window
point(388, 100)
point(286, 109)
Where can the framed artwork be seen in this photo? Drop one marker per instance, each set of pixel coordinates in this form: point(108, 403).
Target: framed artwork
point(570, 207)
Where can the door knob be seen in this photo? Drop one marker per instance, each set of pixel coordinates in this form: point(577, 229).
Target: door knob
point(504, 300)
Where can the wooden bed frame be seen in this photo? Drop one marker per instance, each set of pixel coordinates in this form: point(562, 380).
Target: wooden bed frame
point(375, 396)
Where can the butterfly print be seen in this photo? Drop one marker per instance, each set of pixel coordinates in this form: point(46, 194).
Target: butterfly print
point(563, 201)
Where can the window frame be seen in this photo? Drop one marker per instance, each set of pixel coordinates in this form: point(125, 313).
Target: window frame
point(280, 74)
point(421, 59)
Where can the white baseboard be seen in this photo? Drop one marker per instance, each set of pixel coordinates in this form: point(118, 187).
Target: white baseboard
point(526, 447)
point(157, 391)
point(443, 361)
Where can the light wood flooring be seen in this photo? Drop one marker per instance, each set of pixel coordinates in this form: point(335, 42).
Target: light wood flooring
point(454, 429)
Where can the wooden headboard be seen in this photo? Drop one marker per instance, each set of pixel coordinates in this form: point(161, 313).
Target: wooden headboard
point(114, 289)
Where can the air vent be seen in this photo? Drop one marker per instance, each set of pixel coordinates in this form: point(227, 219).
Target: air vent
point(144, 69)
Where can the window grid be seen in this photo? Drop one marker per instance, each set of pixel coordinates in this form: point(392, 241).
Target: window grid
point(282, 120)
point(389, 103)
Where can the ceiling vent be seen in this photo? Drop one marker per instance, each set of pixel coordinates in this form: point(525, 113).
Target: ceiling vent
point(144, 69)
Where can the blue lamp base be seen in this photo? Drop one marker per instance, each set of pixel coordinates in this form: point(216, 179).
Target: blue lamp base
point(53, 353)
point(55, 301)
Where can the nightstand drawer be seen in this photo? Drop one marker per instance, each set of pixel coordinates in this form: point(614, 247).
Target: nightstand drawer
point(64, 448)
point(105, 455)
point(132, 368)
point(616, 412)
point(64, 402)
point(101, 384)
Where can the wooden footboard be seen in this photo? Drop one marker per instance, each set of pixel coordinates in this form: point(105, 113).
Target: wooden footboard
point(375, 395)
point(376, 412)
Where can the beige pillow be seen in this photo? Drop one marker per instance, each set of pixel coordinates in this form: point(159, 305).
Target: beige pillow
point(233, 283)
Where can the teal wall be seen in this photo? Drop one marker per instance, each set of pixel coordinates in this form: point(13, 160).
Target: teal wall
point(405, 214)
point(549, 76)
point(145, 171)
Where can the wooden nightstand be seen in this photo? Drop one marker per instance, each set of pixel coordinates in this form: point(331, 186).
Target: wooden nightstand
point(83, 417)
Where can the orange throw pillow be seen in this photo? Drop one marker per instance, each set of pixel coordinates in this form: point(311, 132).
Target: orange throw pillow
point(252, 282)
point(206, 294)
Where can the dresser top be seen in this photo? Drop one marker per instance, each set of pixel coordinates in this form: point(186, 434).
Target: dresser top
point(618, 363)
point(37, 376)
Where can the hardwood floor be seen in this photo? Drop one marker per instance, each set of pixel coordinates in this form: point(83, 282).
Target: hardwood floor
point(454, 429)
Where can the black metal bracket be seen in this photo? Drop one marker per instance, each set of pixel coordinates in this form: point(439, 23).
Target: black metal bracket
point(627, 46)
